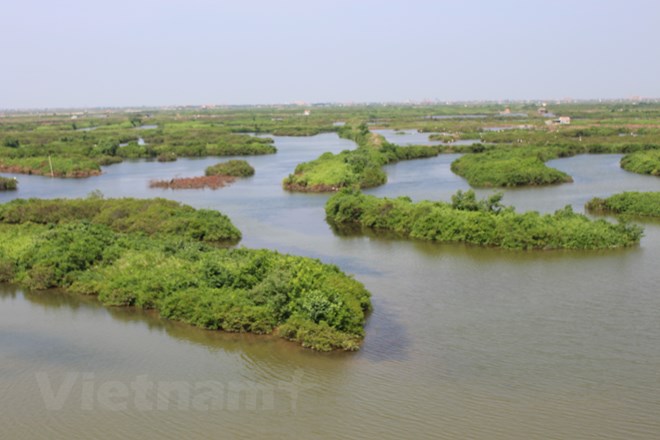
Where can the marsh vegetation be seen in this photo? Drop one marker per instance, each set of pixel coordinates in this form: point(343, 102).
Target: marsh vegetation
point(645, 204)
point(480, 222)
point(8, 183)
point(152, 254)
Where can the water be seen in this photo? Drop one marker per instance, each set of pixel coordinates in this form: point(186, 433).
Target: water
point(413, 137)
point(140, 141)
point(464, 342)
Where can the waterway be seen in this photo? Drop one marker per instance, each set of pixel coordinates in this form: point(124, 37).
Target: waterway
point(464, 342)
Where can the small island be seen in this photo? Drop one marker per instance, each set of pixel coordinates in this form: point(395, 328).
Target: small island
point(216, 176)
point(8, 183)
point(508, 168)
point(161, 255)
point(479, 222)
point(233, 168)
point(361, 167)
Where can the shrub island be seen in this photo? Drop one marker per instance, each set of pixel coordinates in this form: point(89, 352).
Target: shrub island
point(234, 168)
point(361, 167)
point(8, 183)
point(509, 167)
point(216, 176)
point(111, 249)
point(484, 222)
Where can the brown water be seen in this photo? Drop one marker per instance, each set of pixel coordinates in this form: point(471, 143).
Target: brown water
point(464, 342)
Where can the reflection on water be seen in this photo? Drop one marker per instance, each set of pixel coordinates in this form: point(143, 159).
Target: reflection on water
point(464, 342)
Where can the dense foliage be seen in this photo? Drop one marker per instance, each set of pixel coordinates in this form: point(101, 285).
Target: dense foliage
point(634, 203)
point(486, 223)
point(168, 156)
point(8, 183)
point(234, 168)
point(508, 167)
point(150, 216)
point(642, 162)
point(237, 290)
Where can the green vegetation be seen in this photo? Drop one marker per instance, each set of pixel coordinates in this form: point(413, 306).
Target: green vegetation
point(72, 166)
point(237, 290)
point(58, 148)
point(168, 156)
point(106, 137)
point(645, 204)
point(485, 223)
point(642, 162)
point(360, 167)
point(234, 168)
point(8, 183)
point(510, 167)
point(150, 216)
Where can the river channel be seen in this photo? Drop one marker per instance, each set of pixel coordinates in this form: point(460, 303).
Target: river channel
point(464, 342)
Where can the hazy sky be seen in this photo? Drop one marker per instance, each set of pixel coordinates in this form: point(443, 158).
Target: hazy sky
point(77, 53)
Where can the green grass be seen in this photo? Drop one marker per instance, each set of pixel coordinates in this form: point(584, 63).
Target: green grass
point(642, 162)
point(61, 166)
point(147, 216)
point(646, 204)
point(485, 223)
point(508, 168)
point(233, 168)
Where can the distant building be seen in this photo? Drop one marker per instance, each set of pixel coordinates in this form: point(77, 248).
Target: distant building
point(562, 120)
point(542, 111)
point(307, 112)
point(507, 111)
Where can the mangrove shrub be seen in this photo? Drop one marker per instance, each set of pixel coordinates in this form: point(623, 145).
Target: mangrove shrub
point(484, 223)
point(634, 203)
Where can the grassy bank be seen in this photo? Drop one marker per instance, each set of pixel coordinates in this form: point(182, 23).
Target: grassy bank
point(485, 223)
point(642, 162)
point(645, 204)
point(55, 166)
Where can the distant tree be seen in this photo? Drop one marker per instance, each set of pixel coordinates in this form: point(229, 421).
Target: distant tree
point(108, 146)
point(12, 143)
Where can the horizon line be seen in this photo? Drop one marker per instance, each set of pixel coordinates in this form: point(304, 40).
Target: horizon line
point(301, 103)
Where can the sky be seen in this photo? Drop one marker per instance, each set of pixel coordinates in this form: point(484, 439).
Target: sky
point(90, 53)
